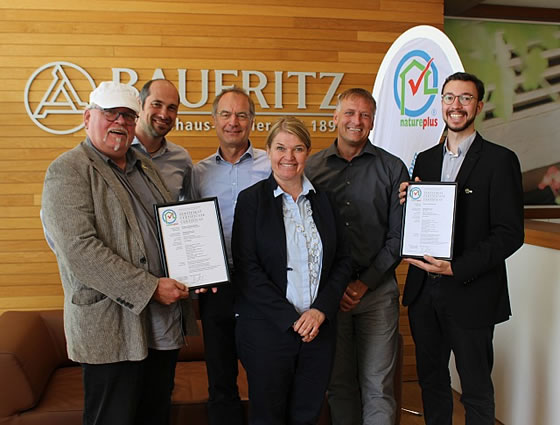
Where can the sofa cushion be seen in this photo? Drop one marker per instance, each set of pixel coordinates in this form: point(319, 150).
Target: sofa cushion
point(62, 401)
point(28, 356)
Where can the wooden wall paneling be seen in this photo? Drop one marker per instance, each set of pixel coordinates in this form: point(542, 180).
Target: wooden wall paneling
point(25, 281)
point(31, 165)
point(13, 212)
point(218, 53)
point(83, 39)
point(16, 246)
point(352, 4)
point(148, 21)
point(35, 302)
point(24, 153)
point(37, 269)
point(15, 200)
point(21, 235)
point(261, 35)
point(107, 63)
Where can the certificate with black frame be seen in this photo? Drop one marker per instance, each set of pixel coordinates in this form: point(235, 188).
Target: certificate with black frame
point(191, 241)
point(428, 221)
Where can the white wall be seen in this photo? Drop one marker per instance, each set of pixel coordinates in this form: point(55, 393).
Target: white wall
point(527, 347)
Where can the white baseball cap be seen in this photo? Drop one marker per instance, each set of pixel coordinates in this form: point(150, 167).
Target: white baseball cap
point(115, 95)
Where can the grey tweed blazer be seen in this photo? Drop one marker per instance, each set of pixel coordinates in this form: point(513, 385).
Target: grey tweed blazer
point(101, 257)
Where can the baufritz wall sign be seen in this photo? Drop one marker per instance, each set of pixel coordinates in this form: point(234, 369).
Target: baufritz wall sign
point(59, 90)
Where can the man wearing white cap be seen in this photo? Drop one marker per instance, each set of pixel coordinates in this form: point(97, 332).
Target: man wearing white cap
point(122, 319)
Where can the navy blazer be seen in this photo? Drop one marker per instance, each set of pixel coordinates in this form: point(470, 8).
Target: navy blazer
point(488, 229)
point(260, 258)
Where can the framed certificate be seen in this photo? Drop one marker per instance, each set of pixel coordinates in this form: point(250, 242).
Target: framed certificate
point(192, 242)
point(429, 220)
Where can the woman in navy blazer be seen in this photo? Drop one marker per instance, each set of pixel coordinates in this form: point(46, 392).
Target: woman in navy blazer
point(291, 267)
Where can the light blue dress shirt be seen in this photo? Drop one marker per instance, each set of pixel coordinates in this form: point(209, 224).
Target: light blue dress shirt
point(303, 247)
point(452, 162)
point(214, 176)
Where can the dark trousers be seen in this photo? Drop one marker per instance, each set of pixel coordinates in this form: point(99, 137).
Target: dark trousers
point(436, 334)
point(287, 378)
point(130, 393)
point(218, 324)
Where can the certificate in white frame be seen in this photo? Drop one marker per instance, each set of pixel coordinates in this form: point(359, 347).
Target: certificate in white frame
point(192, 242)
point(429, 220)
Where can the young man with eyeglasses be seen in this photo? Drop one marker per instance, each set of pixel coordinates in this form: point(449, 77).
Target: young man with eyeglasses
point(454, 305)
point(235, 166)
point(97, 207)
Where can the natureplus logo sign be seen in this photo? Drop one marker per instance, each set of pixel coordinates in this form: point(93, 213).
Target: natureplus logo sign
point(415, 193)
point(415, 87)
point(169, 216)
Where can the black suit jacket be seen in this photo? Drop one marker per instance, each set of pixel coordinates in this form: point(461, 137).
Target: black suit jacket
point(260, 258)
point(488, 229)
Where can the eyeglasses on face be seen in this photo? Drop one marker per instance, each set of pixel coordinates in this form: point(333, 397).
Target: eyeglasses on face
point(113, 115)
point(241, 116)
point(464, 99)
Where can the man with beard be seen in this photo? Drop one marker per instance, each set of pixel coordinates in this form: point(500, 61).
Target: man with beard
point(160, 104)
point(122, 318)
point(454, 305)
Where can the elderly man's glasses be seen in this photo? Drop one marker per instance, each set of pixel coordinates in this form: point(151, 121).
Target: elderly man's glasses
point(464, 99)
point(113, 115)
point(241, 116)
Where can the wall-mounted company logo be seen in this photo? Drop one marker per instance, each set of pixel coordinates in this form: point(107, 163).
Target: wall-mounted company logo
point(169, 216)
point(50, 96)
point(415, 84)
point(58, 90)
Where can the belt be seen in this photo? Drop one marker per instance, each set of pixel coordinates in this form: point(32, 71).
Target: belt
point(433, 275)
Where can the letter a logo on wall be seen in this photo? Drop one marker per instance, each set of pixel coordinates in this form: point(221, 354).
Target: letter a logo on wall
point(51, 97)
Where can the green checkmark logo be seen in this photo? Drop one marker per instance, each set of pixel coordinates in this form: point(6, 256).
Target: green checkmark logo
point(424, 77)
